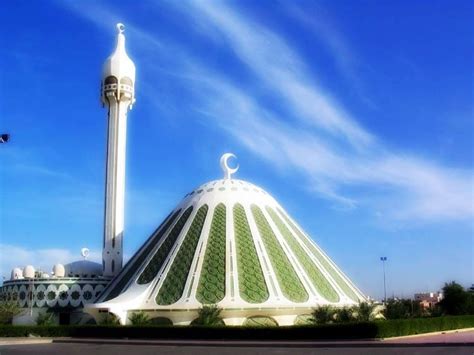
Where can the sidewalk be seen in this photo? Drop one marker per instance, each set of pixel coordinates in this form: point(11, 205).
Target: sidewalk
point(460, 336)
point(25, 341)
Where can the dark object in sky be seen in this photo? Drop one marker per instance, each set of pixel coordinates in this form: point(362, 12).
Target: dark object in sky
point(4, 138)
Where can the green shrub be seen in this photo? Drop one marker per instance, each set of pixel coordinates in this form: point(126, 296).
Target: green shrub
point(364, 312)
point(109, 319)
point(209, 315)
point(8, 310)
point(400, 327)
point(323, 314)
point(405, 308)
point(139, 318)
point(45, 318)
point(344, 315)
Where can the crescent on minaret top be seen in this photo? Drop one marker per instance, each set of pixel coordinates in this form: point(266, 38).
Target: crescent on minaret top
point(228, 171)
point(120, 27)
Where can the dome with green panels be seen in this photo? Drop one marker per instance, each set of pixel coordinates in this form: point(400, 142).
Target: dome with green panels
point(228, 243)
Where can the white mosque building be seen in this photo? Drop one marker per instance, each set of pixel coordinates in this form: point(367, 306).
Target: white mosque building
point(228, 243)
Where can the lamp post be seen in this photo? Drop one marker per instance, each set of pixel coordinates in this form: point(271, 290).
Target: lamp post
point(32, 287)
point(4, 137)
point(384, 259)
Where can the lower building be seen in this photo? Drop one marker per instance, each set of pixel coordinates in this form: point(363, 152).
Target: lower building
point(64, 292)
point(428, 300)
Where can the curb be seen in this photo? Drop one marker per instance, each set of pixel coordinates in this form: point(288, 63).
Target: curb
point(243, 343)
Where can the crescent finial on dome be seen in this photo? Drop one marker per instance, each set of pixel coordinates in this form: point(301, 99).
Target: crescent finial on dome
point(228, 171)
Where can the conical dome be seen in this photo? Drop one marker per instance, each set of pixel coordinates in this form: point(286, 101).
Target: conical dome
point(229, 243)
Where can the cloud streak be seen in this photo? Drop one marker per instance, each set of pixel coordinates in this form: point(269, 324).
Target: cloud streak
point(315, 136)
point(283, 71)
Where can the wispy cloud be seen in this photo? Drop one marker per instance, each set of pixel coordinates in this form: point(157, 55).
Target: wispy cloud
point(322, 27)
point(318, 138)
point(283, 71)
point(403, 185)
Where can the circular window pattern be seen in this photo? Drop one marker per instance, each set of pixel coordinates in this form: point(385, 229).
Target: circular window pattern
point(75, 295)
point(40, 295)
point(87, 295)
point(63, 295)
point(22, 295)
point(51, 295)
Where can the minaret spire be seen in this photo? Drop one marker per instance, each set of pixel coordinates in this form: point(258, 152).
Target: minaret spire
point(118, 95)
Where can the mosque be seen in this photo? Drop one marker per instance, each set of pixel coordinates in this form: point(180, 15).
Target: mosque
point(228, 243)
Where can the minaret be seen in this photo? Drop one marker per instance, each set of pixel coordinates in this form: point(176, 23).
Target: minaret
point(118, 95)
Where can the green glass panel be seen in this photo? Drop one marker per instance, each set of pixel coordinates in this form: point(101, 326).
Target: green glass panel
point(260, 321)
point(253, 288)
point(160, 255)
point(332, 271)
point(211, 288)
point(319, 281)
point(304, 319)
point(137, 260)
point(173, 286)
point(288, 280)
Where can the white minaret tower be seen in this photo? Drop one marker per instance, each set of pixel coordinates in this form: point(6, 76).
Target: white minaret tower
point(118, 94)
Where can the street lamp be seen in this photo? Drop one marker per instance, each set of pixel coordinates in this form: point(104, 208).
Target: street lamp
point(384, 259)
point(4, 137)
point(32, 290)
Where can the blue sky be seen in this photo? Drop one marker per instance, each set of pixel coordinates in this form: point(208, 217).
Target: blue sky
point(357, 116)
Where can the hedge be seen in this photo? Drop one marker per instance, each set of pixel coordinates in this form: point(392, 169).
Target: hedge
point(362, 330)
point(399, 327)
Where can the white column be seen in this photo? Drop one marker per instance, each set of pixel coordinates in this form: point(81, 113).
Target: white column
point(115, 185)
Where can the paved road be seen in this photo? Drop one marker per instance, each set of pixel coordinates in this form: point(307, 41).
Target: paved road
point(93, 349)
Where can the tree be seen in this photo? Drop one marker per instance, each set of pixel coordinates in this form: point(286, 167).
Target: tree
point(8, 310)
point(395, 309)
point(109, 319)
point(209, 315)
point(44, 318)
point(364, 312)
point(344, 315)
point(323, 314)
point(455, 300)
point(139, 318)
